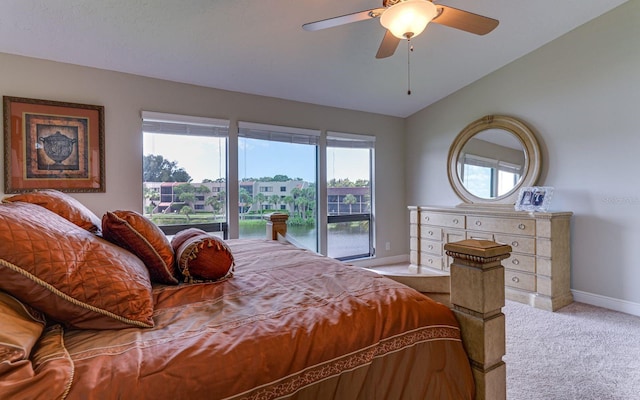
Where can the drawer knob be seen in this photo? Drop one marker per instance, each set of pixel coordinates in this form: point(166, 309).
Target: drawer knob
point(430, 247)
point(514, 243)
point(455, 221)
point(521, 226)
point(478, 223)
point(515, 261)
point(430, 261)
point(515, 279)
point(426, 218)
point(430, 233)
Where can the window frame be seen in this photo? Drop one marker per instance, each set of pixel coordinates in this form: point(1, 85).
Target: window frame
point(178, 124)
point(322, 141)
point(350, 140)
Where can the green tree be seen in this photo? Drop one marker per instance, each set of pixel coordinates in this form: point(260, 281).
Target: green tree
point(350, 200)
point(155, 168)
point(302, 204)
point(288, 200)
point(203, 189)
point(274, 199)
point(187, 197)
point(259, 199)
point(184, 188)
point(245, 199)
point(186, 210)
point(281, 178)
point(150, 194)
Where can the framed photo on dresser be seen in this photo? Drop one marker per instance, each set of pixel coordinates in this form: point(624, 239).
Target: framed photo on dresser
point(534, 198)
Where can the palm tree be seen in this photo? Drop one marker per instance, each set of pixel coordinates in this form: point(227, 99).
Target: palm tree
point(289, 201)
point(245, 199)
point(302, 204)
point(260, 198)
point(275, 200)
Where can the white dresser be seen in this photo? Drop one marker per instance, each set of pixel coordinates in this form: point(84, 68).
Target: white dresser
point(539, 269)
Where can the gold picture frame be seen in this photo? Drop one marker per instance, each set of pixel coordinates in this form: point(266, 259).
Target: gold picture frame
point(53, 145)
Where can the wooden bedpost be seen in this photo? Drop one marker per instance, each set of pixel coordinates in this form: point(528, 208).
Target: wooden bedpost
point(477, 298)
point(276, 224)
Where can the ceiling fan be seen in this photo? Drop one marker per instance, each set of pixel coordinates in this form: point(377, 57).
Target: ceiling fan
point(405, 19)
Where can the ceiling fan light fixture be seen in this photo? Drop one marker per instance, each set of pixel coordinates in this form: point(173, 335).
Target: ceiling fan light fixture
point(407, 19)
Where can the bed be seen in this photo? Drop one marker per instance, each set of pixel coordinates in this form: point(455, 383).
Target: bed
point(281, 322)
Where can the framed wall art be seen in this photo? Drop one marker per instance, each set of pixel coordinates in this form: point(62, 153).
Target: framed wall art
point(535, 198)
point(53, 145)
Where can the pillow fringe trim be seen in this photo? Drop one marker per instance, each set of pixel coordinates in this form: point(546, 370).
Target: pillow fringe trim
point(191, 249)
point(144, 239)
point(70, 299)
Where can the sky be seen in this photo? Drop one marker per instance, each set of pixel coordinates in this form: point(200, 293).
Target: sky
point(204, 158)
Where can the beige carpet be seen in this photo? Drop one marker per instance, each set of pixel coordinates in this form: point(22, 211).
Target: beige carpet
point(579, 352)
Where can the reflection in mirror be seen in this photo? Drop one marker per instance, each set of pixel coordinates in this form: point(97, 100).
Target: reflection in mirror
point(491, 163)
point(491, 159)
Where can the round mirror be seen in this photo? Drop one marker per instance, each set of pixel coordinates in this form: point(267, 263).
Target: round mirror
point(492, 158)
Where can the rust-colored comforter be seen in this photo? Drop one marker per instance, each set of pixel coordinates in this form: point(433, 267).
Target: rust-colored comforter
point(289, 323)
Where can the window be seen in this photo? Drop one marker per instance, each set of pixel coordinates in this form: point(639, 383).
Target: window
point(349, 195)
point(186, 184)
point(283, 157)
point(184, 172)
point(487, 178)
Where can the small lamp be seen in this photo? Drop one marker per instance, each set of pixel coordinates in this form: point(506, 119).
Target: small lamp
point(408, 18)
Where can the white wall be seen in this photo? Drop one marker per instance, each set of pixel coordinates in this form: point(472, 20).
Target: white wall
point(124, 96)
point(581, 95)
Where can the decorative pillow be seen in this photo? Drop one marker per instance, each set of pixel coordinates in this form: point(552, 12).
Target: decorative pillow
point(62, 204)
point(202, 257)
point(21, 329)
point(143, 238)
point(71, 275)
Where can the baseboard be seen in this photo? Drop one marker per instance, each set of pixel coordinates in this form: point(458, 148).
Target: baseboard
point(376, 262)
point(624, 306)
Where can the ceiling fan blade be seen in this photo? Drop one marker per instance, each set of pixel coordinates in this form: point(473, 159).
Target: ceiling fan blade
point(342, 20)
point(388, 46)
point(464, 20)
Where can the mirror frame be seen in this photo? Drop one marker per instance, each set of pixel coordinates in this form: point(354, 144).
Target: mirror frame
point(532, 165)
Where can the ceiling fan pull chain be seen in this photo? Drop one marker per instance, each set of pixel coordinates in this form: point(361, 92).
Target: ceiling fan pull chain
point(409, 51)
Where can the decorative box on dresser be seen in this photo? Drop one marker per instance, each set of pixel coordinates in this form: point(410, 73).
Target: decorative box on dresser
point(537, 273)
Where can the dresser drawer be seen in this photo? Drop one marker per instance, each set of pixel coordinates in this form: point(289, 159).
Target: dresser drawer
point(521, 262)
point(519, 280)
point(453, 235)
point(431, 261)
point(430, 232)
point(518, 244)
point(480, 235)
point(502, 225)
point(446, 220)
point(431, 247)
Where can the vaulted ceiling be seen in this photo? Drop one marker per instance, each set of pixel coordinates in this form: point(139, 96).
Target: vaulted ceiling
point(259, 47)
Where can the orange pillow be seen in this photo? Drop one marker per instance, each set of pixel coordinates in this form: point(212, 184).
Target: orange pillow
point(143, 238)
point(202, 257)
point(21, 329)
point(62, 204)
point(71, 275)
